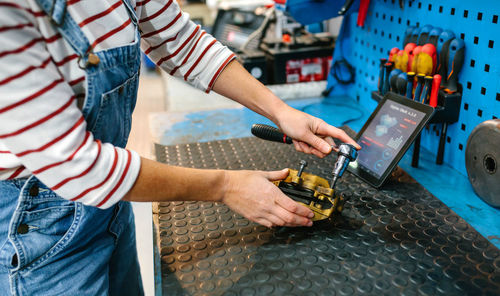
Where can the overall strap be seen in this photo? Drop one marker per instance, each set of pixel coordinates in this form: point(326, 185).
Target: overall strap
point(131, 12)
point(67, 27)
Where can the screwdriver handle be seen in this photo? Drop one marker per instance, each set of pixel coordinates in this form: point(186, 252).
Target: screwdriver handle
point(381, 75)
point(418, 89)
point(408, 33)
point(424, 34)
point(387, 70)
point(426, 90)
point(393, 78)
point(455, 62)
point(270, 133)
point(434, 36)
point(401, 84)
point(414, 35)
point(442, 51)
point(433, 101)
point(410, 77)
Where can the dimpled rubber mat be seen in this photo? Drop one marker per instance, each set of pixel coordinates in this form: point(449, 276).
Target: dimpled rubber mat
point(400, 240)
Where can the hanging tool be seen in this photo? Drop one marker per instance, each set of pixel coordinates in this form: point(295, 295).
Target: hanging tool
point(381, 75)
point(363, 10)
point(433, 101)
point(426, 90)
point(410, 77)
point(416, 144)
point(310, 190)
point(455, 61)
point(414, 35)
point(424, 34)
point(434, 36)
point(443, 44)
point(406, 60)
point(401, 84)
point(425, 60)
point(386, 86)
point(393, 78)
point(392, 53)
point(408, 34)
point(419, 87)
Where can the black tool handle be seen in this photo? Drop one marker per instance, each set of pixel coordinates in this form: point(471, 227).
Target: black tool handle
point(455, 62)
point(270, 133)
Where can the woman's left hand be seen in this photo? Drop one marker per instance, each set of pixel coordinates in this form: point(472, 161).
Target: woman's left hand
point(310, 134)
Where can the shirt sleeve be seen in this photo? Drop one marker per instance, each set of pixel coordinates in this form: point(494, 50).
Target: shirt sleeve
point(179, 46)
point(43, 128)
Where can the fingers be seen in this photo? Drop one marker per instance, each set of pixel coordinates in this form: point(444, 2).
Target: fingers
point(317, 143)
point(332, 131)
point(290, 219)
point(293, 207)
point(276, 175)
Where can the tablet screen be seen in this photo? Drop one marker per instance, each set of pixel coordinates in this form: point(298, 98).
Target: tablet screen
point(384, 138)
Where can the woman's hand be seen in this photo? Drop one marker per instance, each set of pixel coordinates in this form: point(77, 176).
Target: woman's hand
point(251, 194)
point(311, 135)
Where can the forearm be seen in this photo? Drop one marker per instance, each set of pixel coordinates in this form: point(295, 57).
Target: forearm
point(237, 84)
point(161, 182)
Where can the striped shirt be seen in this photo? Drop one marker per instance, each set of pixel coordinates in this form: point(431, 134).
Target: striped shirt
point(42, 130)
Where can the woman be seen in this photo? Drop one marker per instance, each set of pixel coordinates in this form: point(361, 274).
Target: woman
point(68, 84)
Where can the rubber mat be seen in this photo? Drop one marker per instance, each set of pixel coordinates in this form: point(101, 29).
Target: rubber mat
point(400, 240)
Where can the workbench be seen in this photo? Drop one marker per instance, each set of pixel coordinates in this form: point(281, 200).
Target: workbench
point(417, 235)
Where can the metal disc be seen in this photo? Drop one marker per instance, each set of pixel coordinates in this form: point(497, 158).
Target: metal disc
point(482, 160)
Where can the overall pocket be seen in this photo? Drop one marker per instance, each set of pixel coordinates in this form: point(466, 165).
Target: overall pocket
point(43, 231)
point(114, 117)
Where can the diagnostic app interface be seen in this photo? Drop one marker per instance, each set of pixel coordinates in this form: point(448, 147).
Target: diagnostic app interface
point(386, 135)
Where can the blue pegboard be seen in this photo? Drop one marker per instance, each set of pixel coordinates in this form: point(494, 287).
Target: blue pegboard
point(476, 22)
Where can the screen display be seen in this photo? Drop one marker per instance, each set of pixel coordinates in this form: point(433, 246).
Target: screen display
point(385, 136)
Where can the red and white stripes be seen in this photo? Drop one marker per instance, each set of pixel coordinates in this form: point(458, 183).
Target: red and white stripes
point(43, 131)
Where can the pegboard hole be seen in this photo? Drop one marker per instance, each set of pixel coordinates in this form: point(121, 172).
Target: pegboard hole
point(498, 97)
point(479, 16)
point(452, 11)
point(429, 7)
point(466, 13)
point(490, 43)
point(460, 147)
point(469, 84)
point(462, 127)
point(490, 164)
point(472, 63)
point(495, 19)
point(466, 106)
point(479, 112)
point(448, 139)
point(483, 91)
point(440, 9)
point(399, 20)
point(486, 68)
point(419, 5)
point(476, 40)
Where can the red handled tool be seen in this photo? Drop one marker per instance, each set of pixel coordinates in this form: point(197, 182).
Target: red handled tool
point(433, 101)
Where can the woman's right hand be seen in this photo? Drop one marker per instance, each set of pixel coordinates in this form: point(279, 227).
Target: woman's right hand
point(251, 194)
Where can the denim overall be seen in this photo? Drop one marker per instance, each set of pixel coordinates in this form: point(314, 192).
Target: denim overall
point(52, 246)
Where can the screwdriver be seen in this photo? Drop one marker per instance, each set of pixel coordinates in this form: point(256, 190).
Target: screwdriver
point(442, 51)
point(424, 34)
point(418, 88)
point(393, 78)
point(408, 34)
point(414, 35)
point(456, 60)
point(410, 77)
point(387, 68)
point(426, 89)
point(381, 75)
point(434, 36)
point(433, 101)
point(401, 84)
point(426, 60)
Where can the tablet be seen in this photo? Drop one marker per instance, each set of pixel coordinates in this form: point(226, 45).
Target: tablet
point(387, 135)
